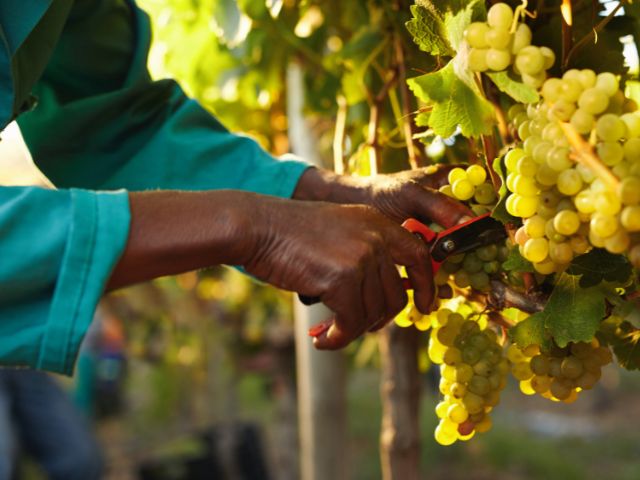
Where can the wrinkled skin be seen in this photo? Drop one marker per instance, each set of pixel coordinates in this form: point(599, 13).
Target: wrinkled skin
point(339, 239)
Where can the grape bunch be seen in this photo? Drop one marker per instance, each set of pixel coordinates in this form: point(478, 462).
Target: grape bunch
point(558, 374)
point(473, 372)
point(473, 269)
point(470, 185)
point(501, 41)
point(566, 207)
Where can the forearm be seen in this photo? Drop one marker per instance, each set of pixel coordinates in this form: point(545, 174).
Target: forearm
point(323, 185)
point(173, 232)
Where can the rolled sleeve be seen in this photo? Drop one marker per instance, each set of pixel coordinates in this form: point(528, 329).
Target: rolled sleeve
point(61, 247)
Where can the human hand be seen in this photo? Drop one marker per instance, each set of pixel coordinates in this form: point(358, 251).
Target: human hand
point(344, 254)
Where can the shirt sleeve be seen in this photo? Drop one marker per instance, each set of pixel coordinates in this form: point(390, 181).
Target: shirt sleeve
point(102, 123)
point(58, 248)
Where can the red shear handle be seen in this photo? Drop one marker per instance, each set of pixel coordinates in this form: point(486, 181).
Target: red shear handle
point(426, 234)
point(412, 225)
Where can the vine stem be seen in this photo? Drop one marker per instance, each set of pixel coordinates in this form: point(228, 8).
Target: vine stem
point(414, 159)
point(374, 122)
point(584, 154)
point(338, 137)
point(592, 34)
point(502, 296)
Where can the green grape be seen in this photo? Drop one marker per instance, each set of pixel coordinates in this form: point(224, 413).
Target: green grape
point(487, 253)
point(485, 194)
point(566, 222)
point(571, 367)
point(629, 190)
point(461, 279)
point(457, 413)
point(534, 81)
point(559, 389)
point(498, 38)
point(524, 207)
point(530, 60)
point(587, 78)
point(479, 280)
point(569, 182)
point(478, 59)
point(582, 121)
point(551, 233)
point(444, 437)
point(607, 83)
point(536, 249)
point(560, 253)
point(607, 202)
point(562, 110)
point(570, 90)
point(525, 186)
point(558, 159)
point(472, 263)
point(610, 128)
point(551, 132)
point(593, 100)
point(462, 189)
point(476, 174)
point(603, 225)
point(632, 122)
point(531, 142)
point(630, 218)
point(476, 35)
point(540, 365)
point(546, 176)
point(498, 60)
point(618, 242)
point(549, 57)
point(500, 16)
point(584, 202)
point(632, 150)
point(611, 153)
point(456, 174)
point(479, 385)
point(551, 89)
point(535, 226)
point(541, 152)
point(512, 157)
point(521, 38)
point(491, 268)
point(579, 244)
point(527, 167)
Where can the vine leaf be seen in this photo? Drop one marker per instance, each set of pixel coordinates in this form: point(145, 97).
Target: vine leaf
point(516, 262)
point(428, 30)
point(500, 210)
point(530, 331)
point(573, 313)
point(599, 266)
point(624, 338)
point(517, 90)
point(454, 104)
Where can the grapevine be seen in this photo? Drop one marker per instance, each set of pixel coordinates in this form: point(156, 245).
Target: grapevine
point(566, 152)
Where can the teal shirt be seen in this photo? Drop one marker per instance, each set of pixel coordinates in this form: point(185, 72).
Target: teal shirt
point(101, 126)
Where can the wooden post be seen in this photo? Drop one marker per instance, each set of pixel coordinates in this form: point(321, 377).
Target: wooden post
point(321, 375)
point(400, 390)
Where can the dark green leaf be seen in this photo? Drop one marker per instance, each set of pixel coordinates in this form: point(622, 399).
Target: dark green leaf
point(573, 313)
point(623, 338)
point(599, 266)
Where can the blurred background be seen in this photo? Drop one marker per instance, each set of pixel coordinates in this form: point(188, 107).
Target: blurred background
point(194, 376)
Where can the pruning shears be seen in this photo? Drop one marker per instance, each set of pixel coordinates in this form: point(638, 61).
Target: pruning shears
point(474, 233)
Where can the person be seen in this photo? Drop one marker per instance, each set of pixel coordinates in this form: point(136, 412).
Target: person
point(149, 184)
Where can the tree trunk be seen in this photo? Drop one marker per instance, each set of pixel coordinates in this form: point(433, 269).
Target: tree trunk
point(400, 390)
point(321, 375)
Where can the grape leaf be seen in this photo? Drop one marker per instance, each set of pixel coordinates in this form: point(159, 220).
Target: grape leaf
point(517, 90)
point(500, 210)
point(599, 266)
point(530, 331)
point(422, 119)
point(573, 313)
point(623, 338)
point(454, 103)
point(516, 262)
point(428, 30)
